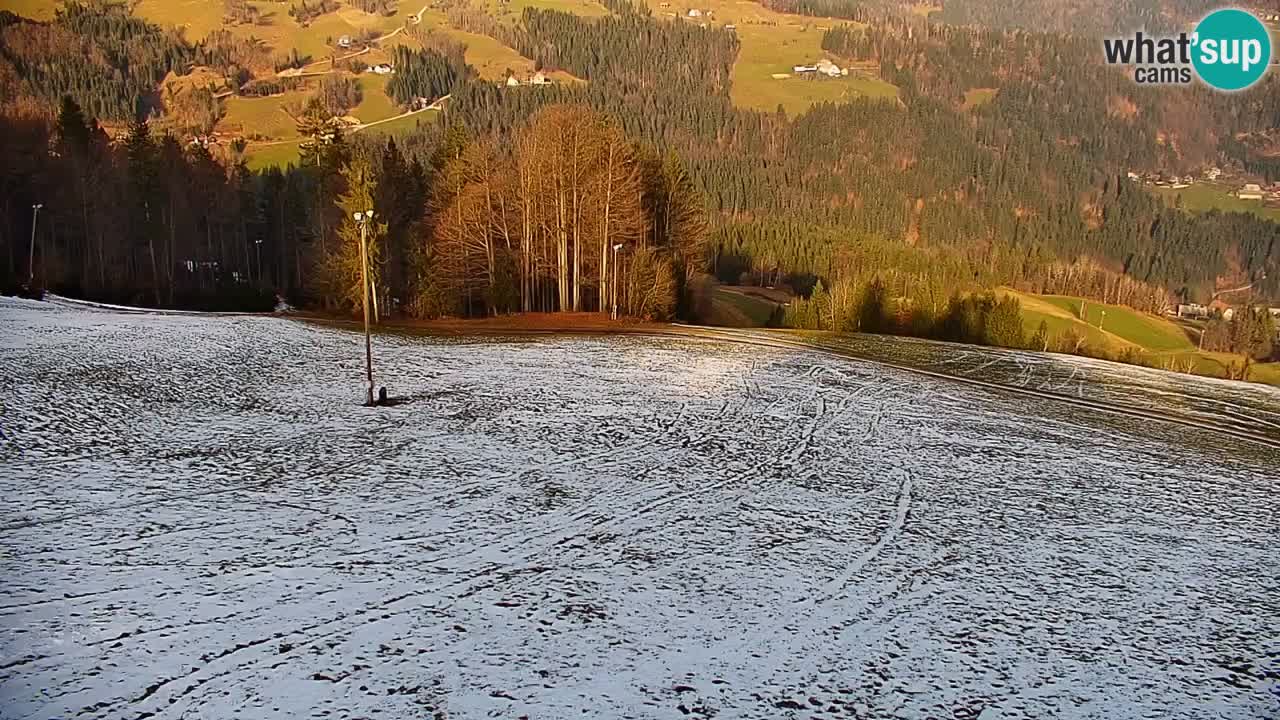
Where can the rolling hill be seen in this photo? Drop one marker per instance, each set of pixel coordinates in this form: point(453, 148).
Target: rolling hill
point(1160, 341)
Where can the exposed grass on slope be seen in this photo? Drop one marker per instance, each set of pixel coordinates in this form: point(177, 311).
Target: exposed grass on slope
point(1162, 343)
point(1210, 196)
point(282, 154)
point(767, 51)
point(279, 155)
point(730, 308)
point(772, 43)
point(374, 103)
point(1058, 321)
point(977, 97)
point(262, 116)
point(1148, 332)
point(197, 18)
point(34, 9)
point(509, 11)
point(491, 58)
point(279, 30)
point(401, 126)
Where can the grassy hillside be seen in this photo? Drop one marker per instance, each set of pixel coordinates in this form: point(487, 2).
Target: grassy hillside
point(282, 153)
point(1036, 309)
point(977, 97)
point(1148, 332)
point(266, 121)
point(1162, 342)
point(1121, 327)
point(772, 43)
point(34, 9)
point(1210, 196)
point(262, 117)
point(510, 10)
point(732, 307)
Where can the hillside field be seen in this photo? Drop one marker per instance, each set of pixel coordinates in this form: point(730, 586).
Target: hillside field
point(1163, 342)
point(283, 153)
point(34, 9)
point(739, 308)
point(1204, 196)
point(772, 43)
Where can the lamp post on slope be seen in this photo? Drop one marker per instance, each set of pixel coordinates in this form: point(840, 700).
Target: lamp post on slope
point(363, 219)
point(616, 248)
point(31, 258)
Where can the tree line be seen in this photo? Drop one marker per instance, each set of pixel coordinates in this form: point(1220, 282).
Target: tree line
point(565, 213)
point(559, 216)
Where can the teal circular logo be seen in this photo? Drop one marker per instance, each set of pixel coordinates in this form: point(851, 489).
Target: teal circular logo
point(1231, 49)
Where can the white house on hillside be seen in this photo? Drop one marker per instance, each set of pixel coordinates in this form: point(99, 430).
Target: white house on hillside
point(828, 68)
point(1252, 191)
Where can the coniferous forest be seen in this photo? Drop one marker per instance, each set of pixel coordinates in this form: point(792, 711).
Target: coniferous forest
point(525, 199)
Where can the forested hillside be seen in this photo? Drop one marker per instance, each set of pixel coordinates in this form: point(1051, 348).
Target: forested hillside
point(928, 193)
point(1087, 18)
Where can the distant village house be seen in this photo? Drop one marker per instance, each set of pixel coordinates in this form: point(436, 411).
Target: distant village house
point(822, 67)
point(1252, 191)
point(1193, 310)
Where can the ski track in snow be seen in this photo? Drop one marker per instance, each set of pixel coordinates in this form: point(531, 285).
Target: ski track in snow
point(198, 521)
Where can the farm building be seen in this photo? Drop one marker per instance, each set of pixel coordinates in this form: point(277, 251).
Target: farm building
point(828, 68)
point(344, 41)
point(1252, 191)
point(539, 78)
point(512, 81)
point(381, 69)
point(695, 12)
point(1192, 310)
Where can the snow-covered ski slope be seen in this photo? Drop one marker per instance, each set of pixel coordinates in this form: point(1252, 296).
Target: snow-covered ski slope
point(197, 521)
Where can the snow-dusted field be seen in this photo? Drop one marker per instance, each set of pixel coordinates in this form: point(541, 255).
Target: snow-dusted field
point(196, 520)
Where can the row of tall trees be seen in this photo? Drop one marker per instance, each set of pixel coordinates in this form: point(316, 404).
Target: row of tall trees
point(531, 220)
point(142, 219)
point(536, 220)
point(852, 305)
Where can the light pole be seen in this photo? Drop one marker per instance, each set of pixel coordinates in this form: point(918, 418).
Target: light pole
point(363, 219)
point(1102, 319)
point(31, 259)
point(616, 248)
